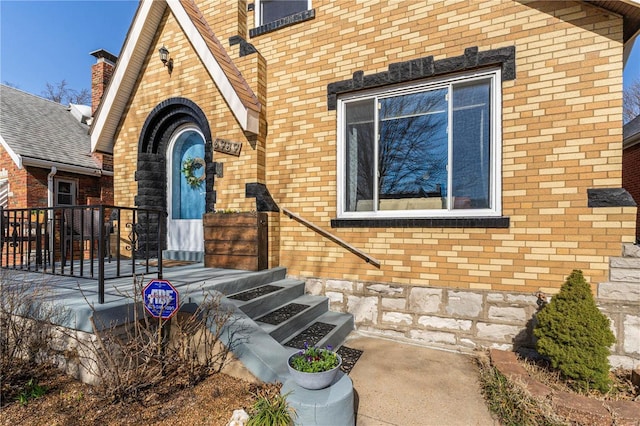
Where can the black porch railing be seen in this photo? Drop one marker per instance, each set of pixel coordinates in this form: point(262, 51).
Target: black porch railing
point(79, 241)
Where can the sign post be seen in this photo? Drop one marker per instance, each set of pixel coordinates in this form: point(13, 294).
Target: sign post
point(161, 300)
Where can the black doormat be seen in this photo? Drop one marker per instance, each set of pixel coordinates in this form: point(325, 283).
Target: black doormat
point(255, 292)
point(311, 335)
point(281, 315)
point(349, 358)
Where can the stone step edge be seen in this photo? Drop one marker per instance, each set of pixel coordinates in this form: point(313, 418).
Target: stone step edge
point(619, 290)
point(576, 408)
point(630, 250)
point(624, 262)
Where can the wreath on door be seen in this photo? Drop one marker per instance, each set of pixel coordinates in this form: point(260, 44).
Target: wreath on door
point(189, 166)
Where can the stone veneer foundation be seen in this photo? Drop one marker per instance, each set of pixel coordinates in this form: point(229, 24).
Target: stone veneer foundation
point(464, 320)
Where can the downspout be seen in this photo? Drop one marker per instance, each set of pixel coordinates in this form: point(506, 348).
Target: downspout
point(50, 203)
point(50, 186)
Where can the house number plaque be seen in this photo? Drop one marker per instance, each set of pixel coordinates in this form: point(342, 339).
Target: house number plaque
point(227, 147)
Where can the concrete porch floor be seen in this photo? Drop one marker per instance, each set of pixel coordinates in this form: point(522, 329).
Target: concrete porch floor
point(78, 294)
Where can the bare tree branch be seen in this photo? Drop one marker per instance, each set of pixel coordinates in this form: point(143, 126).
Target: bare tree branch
point(61, 93)
point(631, 101)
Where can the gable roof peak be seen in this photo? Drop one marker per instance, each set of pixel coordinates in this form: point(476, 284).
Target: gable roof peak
point(237, 93)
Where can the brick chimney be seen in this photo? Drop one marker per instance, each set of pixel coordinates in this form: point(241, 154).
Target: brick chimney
point(101, 73)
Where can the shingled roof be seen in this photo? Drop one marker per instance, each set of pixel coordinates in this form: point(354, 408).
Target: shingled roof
point(39, 132)
point(631, 132)
point(237, 81)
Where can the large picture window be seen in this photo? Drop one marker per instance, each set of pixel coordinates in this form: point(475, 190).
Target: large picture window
point(272, 10)
point(429, 150)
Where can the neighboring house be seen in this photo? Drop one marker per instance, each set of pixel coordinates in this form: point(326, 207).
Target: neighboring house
point(631, 164)
point(45, 154)
point(470, 151)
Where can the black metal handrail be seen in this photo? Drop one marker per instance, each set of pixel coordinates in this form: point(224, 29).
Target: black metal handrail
point(76, 241)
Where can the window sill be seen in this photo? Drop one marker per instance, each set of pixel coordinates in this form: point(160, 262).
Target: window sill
point(283, 22)
point(441, 222)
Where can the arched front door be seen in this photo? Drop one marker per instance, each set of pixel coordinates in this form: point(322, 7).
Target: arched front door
point(186, 190)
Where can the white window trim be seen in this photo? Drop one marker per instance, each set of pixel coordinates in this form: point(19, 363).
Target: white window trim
point(495, 148)
point(74, 191)
point(258, 12)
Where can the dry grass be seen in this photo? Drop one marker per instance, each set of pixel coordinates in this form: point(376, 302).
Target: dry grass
point(514, 405)
point(622, 388)
point(69, 402)
point(509, 401)
point(145, 378)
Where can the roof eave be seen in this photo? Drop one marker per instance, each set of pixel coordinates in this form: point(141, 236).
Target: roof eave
point(246, 115)
point(17, 158)
point(63, 167)
point(130, 62)
point(632, 140)
point(128, 66)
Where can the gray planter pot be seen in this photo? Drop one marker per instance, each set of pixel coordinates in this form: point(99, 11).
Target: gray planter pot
point(314, 381)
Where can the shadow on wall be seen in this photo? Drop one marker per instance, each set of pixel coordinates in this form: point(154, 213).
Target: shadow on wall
point(524, 343)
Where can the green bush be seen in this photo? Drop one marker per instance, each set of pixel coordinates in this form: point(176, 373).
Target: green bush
point(575, 335)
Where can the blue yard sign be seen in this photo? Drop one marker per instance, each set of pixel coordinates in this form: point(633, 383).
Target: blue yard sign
point(161, 299)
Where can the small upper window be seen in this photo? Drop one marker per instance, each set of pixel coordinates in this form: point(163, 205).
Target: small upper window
point(428, 150)
point(65, 192)
point(272, 10)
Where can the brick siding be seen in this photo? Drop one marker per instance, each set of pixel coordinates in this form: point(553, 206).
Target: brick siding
point(29, 186)
point(631, 178)
point(561, 135)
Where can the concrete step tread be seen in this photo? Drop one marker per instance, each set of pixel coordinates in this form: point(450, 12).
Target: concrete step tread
point(306, 299)
point(284, 283)
point(343, 326)
point(289, 289)
point(247, 280)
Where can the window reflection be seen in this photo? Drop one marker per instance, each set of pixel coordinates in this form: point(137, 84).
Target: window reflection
point(427, 149)
point(413, 150)
point(272, 10)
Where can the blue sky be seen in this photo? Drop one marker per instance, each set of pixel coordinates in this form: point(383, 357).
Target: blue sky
point(48, 41)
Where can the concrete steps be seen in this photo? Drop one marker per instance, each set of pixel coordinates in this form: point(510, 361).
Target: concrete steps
point(266, 343)
point(624, 276)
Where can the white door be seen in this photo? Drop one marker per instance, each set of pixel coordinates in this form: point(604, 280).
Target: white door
point(186, 190)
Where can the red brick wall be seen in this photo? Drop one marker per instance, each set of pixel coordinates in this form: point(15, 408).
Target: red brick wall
point(17, 180)
point(101, 73)
point(631, 177)
point(29, 186)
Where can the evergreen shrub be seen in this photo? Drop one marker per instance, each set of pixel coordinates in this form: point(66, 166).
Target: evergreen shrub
point(575, 335)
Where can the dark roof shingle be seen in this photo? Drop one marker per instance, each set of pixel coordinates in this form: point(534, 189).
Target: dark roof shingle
point(632, 128)
point(37, 128)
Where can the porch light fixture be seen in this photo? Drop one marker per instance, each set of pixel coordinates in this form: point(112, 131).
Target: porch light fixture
point(164, 57)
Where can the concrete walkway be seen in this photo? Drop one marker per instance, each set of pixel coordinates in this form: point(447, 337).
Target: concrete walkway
point(406, 385)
